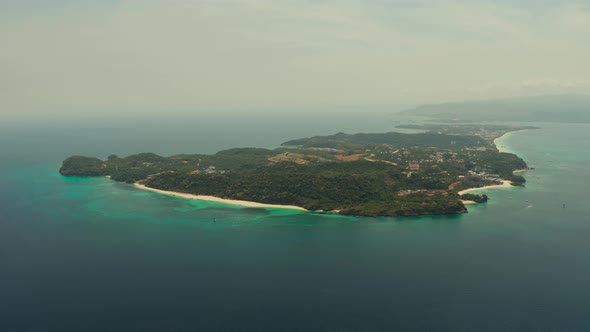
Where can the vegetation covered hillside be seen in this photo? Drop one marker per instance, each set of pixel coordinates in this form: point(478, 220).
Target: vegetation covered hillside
point(367, 174)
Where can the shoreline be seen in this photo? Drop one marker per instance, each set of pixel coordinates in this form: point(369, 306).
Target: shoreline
point(502, 148)
point(505, 184)
point(219, 200)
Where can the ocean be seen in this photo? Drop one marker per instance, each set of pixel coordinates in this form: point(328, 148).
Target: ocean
point(95, 255)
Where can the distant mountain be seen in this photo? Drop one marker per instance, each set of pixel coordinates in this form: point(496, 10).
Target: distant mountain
point(567, 108)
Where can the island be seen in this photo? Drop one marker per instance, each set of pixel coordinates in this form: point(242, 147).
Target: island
point(365, 174)
point(548, 108)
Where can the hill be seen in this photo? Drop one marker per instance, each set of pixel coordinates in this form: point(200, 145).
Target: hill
point(565, 109)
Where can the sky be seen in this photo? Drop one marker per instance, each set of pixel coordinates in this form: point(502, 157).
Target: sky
point(113, 57)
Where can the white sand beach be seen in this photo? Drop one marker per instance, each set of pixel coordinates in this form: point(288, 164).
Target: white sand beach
point(498, 142)
point(220, 200)
point(505, 184)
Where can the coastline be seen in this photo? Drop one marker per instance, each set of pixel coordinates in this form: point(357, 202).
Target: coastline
point(219, 200)
point(500, 147)
point(505, 184)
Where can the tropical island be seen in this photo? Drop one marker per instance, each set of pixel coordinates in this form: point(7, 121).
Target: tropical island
point(387, 174)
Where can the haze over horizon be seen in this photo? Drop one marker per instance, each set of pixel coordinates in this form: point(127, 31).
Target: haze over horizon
point(102, 58)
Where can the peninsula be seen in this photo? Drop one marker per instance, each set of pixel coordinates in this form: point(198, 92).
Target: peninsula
point(388, 174)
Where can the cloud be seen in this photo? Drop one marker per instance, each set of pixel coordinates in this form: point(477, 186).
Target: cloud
point(133, 56)
point(574, 18)
point(548, 83)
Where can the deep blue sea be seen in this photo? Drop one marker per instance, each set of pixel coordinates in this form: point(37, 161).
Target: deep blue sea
point(95, 255)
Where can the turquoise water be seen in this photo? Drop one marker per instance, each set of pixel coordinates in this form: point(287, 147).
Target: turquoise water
point(95, 255)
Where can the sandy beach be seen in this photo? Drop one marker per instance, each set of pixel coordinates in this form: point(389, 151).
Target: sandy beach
point(220, 200)
point(505, 184)
point(498, 143)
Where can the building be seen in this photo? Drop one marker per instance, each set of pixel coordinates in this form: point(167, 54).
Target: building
point(414, 167)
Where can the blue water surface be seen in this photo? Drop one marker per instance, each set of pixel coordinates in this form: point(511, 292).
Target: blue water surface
point(95, 255)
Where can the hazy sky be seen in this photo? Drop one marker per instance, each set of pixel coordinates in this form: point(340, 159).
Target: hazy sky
point(82, 56)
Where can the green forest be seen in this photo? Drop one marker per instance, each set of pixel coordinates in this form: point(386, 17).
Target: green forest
point(347, 179)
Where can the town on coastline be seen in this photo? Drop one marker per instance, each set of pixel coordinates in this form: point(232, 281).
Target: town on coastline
point(388, 174)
